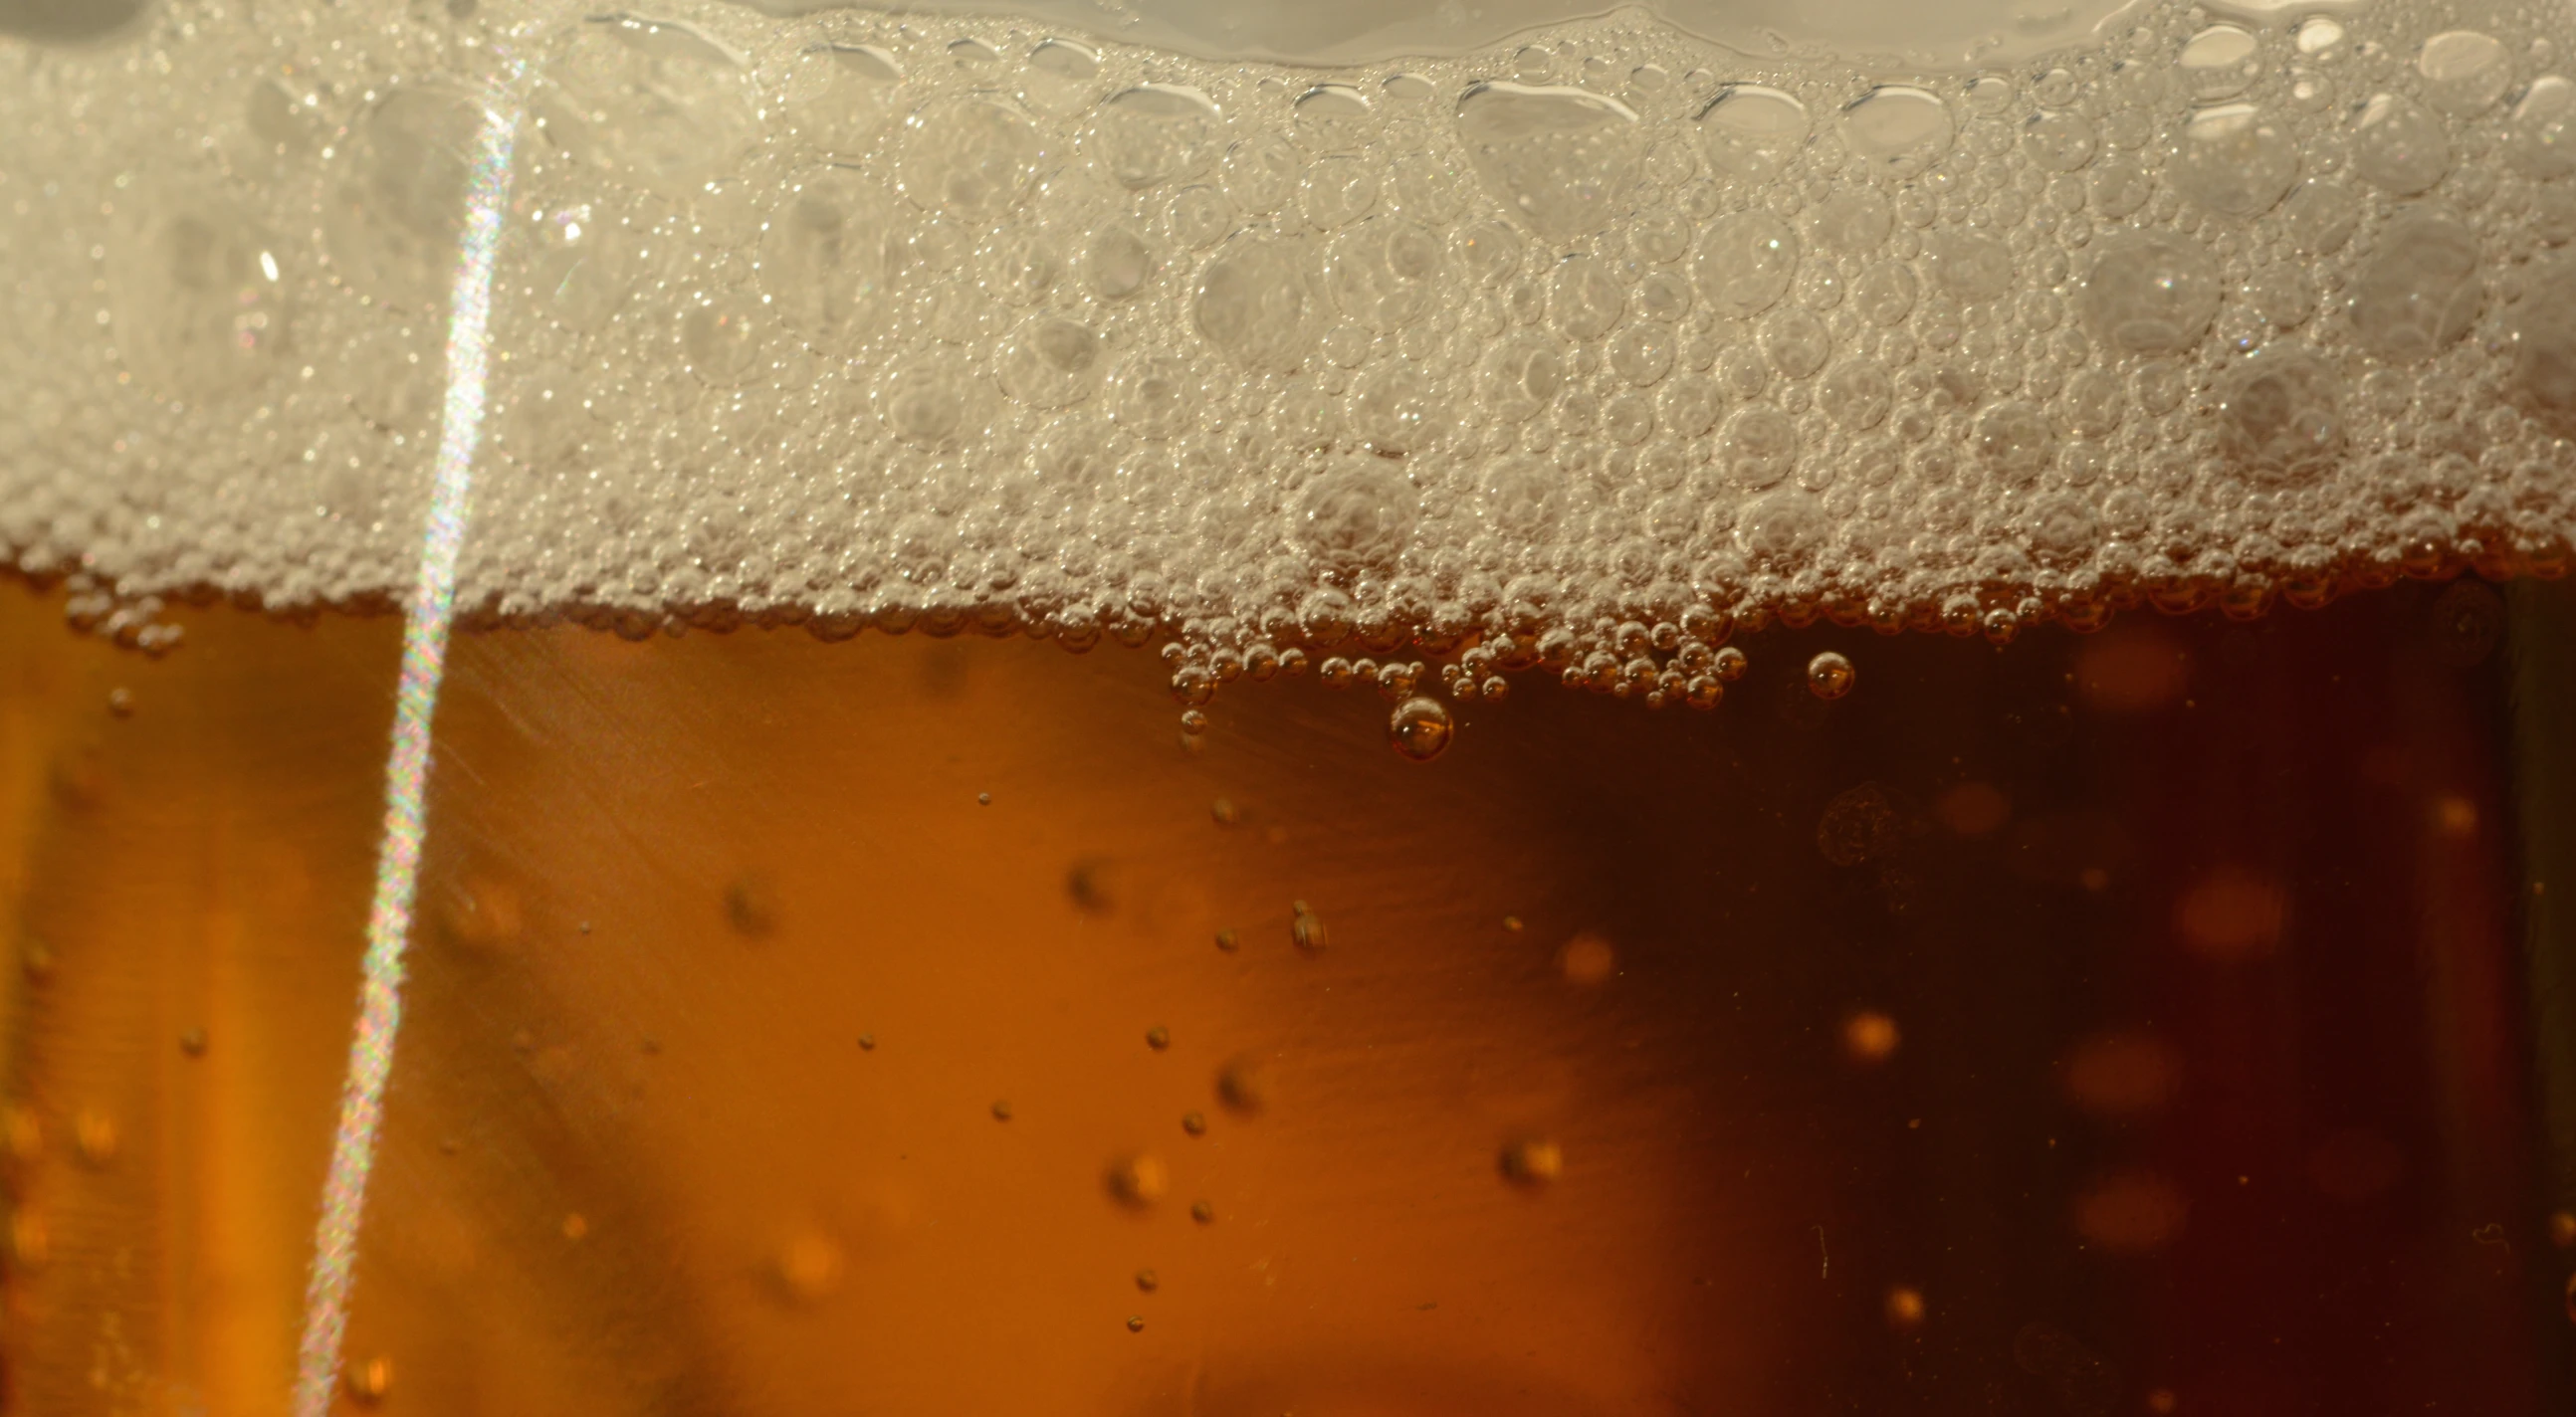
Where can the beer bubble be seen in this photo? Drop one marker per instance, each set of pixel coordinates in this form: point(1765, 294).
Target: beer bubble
point(1898, 128)
point(1420, 729)
point(1135, 1323)
point(1750, 130)
point(1194, 1123)
point(1869, 1037)
point(1244, 1085)
point(1001, 1109)
point(2420, 288)
point(972, 157)
point(2399, 147)
point(2464, 72)
point(2151, 293)
point(369, 1382)
point(658, 103)
point(809, 1266)
point(1147, 1281)
point(1158, 1038)
point(2234, 160)
point(1829, 675)
point(1305, 928)
point(1745, 263)
point(1559, 158)
point(1203, 1212)
point(1532, 1161)
point(1139, 1179)
point(1904, 1308)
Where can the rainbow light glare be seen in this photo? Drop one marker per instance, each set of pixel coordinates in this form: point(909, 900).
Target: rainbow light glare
point(424, 661)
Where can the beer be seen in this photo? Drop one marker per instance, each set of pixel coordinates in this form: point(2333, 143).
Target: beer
point(1851, 733)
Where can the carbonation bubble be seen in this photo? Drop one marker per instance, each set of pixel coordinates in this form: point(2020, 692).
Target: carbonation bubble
point(1585, 297)
point(1518, 378)
point(1395, 409)
point(2540, 140)
point(1662, 296)
point(1420, 729)
point(1745, 263)
point(391, 225)
point(2465, 72)
point(1154, 133)
point(1781, 529)
point(2544, 346)
point(1829, 675)
point(2419, 290)
point(2219, 62)
point(1520, 494)
point(2399, 147)
point(1563, 159)
point(2281, 416)
point(1688, 406)
point(1884, 293)
point(2015, 442)
point(2319, 217)
point(2090, 406)
point(1751, 130)
point(1757, 447)
point(1254, 303)
point(972, 157)
point(1051, 362)
point(1901, 130)
point(1642, 352)
point(926, 404)
point(1974, 268)
point(1118, 262)
point(1487, 252)
point(824, 259)
point(1852, 222)
point(2058, 140)
point(2234, 160)
point(1796, 342)
point(1381, 272)
point(1155, 395)
point(1339, 191)
point(1332, 116)
point(1356, 518)
point(2150, 292)
point(656, 102)
point(1262, 172)
point(839, 96)
point(202, 302)
point(1856, 394)
point(2117, 187)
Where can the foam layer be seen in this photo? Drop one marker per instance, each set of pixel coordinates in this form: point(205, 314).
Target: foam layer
point(1575, 351)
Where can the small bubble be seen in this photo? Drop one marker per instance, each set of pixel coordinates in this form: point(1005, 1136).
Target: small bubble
point(1148, 1281)
point(1306, 928)
point(120, 701)
point(1001, 1109)
point(867, 1042)
point(576, 1226)
point(369, 1382)
point(1829, 675)
point(94, 1137)
point(1224, 812)
point(2562, 1229)
point(193, 1043)
point(983, 799)
point(1228, 941)
point(1138, 1180)
point(751, 907)
point(1904, 1308)
point(1194, 1123)
point(1158, 1038)
point(810, 1266)
point(1420, 729)
point(1729, 664)
point(1587, 959)
point(1135, 1323)
point(1869, 1037)
point(1532, 1161)
point(1203, 1212)
point(1244, 1084)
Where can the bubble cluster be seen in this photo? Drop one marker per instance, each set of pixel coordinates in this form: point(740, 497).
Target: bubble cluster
point(1571, 356)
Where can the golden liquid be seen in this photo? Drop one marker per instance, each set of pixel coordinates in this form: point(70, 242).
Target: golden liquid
point(2173, 1019)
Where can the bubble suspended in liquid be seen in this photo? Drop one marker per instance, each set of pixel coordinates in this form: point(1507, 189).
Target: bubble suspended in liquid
point(1154, 133)
point(2151, 292)
point(1829, 675)
point(2398, 147)
point(2282, 415)
point(2464, 72)
point(2419, 290)
point(1853, 221)
point(1139, 1179)
point(1532, 1161)
point(2234, 160)
point(1751, 130)
point(1562, 159)
point(1900, 129)
point(1420, 729)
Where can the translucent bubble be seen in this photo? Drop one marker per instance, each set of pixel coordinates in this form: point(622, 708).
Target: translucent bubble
point(2235, 160)
point(1900, 129)
point(2060, 140)
point(1745, 263)
point(655, 102)
point(2150, 292)
point(839, 96)
point(1796, 342)
point(2419, 290)
point(2015, 441)
point(2399, 147)
point(1884, 293)
point(2465, 72)
point(203, 296)
point(1520, 494)
point(1662, 296)
point(2540, 139)
point(2544, 346)
point(1853, 221)
point(1757, 447)
point(1750, 130)
point(721, 337)
point(2219, 62)
point(1382, 272)
point(1518, 378)
point(1397, 409)
point(1255, 303)
point(1856, 394)
point(2281, 416)
point(1688, 405)
point(928, 405)
point(1154, 133)
point(1156, 395)
point(824, 259)
point(1585, 297)
point(1050, 362)
point(1642, 353)
point(1339, 191)
point(1332, 116)
point(1974, 268)
point(2320, 216)
point(1263, 171)
point(1782, 529)
point(1829, 675)
point(2117, 187)
point(1532, 1161)
point(1562, 159)
point(392, 223)
point(1356, 518)
point(2091, 404)
point(975, 158)
point(1420, 729)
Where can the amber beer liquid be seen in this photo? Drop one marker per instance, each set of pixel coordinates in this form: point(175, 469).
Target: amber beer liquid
point(1258, 710)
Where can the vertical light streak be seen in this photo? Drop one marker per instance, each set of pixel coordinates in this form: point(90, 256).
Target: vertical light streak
point(425, 627)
